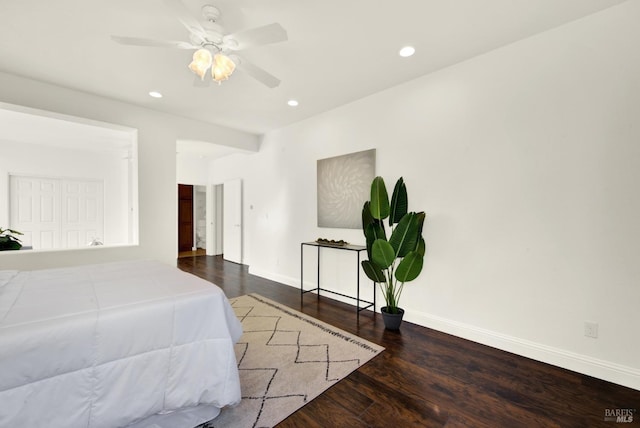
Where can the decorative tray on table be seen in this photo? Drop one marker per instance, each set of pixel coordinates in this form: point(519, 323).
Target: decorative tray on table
point(339, 243)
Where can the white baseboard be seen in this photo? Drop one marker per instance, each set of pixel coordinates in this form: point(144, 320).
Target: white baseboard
point(282, 279)
point(601, 369)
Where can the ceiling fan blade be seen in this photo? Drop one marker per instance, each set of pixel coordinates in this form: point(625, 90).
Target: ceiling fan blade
point(271, 33)
point(186, 19)
point(139, 41)
point(256, 72)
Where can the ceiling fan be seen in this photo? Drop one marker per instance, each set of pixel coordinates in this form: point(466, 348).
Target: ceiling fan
point(214, 49)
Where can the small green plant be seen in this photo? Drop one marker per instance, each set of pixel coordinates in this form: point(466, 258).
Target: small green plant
point(9, 240)
point(399, 259)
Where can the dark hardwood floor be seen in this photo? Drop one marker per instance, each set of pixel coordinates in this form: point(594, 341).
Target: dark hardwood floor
point(426, 378)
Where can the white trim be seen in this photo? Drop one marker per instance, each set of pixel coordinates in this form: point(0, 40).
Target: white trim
point(282, 279)
point(601, 369)
point(609, 371)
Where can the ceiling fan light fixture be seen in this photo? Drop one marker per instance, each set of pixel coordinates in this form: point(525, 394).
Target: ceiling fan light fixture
point(223, 67)
point(201, 62)
point(210, 38)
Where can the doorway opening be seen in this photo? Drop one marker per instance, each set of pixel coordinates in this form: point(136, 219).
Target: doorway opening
point(67, 182)
point(192, 220)
point(210, 220)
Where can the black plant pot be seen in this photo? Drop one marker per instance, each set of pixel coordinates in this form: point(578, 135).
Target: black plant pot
point(392, 321)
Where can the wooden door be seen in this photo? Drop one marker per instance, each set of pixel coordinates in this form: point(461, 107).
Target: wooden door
point(185, 217)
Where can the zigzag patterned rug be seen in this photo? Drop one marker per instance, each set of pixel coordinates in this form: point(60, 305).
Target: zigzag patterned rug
point(286, 359)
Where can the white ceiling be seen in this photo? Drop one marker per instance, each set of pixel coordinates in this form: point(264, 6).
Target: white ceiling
point(338, 50)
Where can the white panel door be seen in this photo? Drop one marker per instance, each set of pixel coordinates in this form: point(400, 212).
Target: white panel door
point(232, 223)
point(35, 210)
point(57, 213)
point(82, 213)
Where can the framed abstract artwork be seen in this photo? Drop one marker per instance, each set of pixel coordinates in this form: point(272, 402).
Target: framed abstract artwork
point(344, 184)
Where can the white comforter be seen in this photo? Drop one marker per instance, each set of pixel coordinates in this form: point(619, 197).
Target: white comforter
point(108, 345)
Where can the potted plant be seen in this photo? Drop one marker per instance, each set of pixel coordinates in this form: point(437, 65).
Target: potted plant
point(9, 240)
point(398, 259)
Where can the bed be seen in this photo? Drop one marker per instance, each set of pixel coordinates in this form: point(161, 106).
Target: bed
point(135, 343)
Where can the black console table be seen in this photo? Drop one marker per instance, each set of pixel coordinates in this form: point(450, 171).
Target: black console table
point(354, 248)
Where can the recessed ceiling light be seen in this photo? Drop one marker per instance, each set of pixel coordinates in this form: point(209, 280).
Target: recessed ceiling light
point(292, 103)
point(155, 94)
point(407, 51)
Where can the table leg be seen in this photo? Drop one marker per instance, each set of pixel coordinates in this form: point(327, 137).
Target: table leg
point(318, 277)
point(358, 289)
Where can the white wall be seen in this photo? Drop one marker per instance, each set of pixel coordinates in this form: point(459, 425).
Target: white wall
point(526, 161)
point(191, 169)
point(157, 136)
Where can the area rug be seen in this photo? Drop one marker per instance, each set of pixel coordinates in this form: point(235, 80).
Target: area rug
point(286, 359)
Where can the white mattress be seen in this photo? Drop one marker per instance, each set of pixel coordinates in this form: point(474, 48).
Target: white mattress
point(109, 345)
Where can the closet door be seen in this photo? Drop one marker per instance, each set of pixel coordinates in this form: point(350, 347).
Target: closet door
point(82, 213)
point(35, 210)
point(57, 213)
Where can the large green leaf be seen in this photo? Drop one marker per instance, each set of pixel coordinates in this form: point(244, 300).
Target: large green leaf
point(367, 218)
point(372, 232)
point(383, 253)
point(406, 234)
point(8, 243)
point(421, 247)
point(410, 267)
point(379, 199)
point(399, 202)
point(373, 272)
point(421, 217)
point(420, 244)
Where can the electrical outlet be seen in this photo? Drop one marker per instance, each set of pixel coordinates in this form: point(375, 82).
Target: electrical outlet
point(591, 329)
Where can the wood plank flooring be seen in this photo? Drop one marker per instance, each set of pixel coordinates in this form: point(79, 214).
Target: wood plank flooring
point(426, 378)
point(198, 252)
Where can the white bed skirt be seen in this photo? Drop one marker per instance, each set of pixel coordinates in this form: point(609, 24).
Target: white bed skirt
point(184, 418)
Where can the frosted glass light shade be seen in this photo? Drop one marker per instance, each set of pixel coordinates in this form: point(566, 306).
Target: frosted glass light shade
point(223, 67)
point(201, 62)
